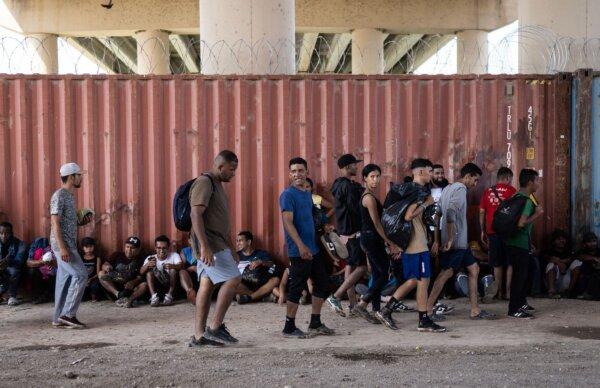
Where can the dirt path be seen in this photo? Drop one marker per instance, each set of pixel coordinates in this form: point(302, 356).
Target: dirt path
point(146, 346)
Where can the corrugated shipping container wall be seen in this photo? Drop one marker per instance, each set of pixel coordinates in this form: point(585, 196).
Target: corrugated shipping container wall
point(140, 138)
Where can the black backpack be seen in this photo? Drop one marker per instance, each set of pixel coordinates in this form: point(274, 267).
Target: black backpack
point(181, 205)
point(506, 217)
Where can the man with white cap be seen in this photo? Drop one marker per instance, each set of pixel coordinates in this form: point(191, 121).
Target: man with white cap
point(71, 276)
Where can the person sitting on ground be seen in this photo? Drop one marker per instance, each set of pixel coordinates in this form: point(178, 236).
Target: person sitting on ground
point(13, 253)
point(93, 264)
point(120, 275)
point(188, 275)
point(41, 265)
point(260, 275)
point(562, 270)
point(161, 271)
point(589, 280)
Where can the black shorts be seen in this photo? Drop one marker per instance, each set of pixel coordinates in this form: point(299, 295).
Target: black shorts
point(456, 259)
point(497, 251)
point(300, 271)
point(356, 255)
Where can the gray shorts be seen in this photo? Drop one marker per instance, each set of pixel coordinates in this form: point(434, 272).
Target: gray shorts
point(224, 268)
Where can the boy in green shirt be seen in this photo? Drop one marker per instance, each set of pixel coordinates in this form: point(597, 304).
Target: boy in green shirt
point(519, 245)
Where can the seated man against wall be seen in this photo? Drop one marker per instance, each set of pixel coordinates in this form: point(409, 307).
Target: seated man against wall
point(13, 253)
point(162, 272)
point(120, 275)
point(188, 275)
point(589, 255)
point(41, 265)
point(260, 275)
point(562, 270)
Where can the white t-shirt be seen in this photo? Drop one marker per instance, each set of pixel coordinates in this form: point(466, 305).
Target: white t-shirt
point(436, 193)
point(172, 258)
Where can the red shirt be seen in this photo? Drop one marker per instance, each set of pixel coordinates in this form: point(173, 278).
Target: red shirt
point(489, 202)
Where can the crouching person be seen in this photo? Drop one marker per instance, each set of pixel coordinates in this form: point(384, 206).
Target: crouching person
point(162, 272)
point(120, 275)
point(260, 276)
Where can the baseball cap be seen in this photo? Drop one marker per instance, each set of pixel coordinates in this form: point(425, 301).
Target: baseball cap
point(70, 169)
point(346, 160)
point(133, 240)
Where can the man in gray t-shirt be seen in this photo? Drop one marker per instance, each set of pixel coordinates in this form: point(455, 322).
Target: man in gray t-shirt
point(455, 243)
point(71, 275)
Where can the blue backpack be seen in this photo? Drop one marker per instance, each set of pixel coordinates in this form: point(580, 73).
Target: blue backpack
point(182, 209)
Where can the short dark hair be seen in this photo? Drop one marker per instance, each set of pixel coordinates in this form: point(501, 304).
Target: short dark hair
point(6, 224)
point(504, 172)
point(298, 160)
point(527, 175)
point(369, 168)
point(162, 238)
point(589, 236)
point(228, 156)
point(420, 163)
point(88, 241)
point(437, 166)
point(470, 169)
point(247, 235)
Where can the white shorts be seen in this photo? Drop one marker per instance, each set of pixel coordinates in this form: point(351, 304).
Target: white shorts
point(224, 268)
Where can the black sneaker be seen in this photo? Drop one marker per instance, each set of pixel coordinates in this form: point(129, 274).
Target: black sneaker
point(385, 316)
point(244, 299)
point(527, 307)
point(203, 341)
point(521, 315)
point(221, 335)
point(427, 325)
point(400, 307)
point(321, 330)
point(364, 313)
point(71, 322)
point(297, 333)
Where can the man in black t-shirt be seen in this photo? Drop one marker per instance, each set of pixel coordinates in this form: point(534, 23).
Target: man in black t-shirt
point(260, 275)
point(120, 275)
point(347, 194)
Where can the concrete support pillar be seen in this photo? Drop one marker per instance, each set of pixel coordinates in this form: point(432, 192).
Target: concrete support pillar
point(43, 52)
point(247, 37)
point(367, 51)
point(472, 52)
point(153, 52)
point(553, 34)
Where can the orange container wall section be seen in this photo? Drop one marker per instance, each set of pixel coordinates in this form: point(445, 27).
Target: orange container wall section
point(141, 137)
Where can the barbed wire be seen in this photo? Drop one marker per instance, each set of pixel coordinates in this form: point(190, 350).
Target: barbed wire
point(525, 50)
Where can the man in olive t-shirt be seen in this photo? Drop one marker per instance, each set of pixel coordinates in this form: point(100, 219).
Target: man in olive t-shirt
point(518, 246)
point(213, 248)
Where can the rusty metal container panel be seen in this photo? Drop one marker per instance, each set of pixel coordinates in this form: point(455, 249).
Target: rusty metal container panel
point(141, 137)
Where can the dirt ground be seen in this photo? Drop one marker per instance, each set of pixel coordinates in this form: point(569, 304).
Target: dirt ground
point(148, 347)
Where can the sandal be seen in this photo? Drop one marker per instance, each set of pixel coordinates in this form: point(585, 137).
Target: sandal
point(483, 315)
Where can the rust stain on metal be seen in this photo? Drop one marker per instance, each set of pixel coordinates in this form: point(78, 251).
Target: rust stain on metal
point(141, 137)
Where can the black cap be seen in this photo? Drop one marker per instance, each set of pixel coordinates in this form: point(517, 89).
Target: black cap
point(346, 160)
point(133, 240)
point(87, 241)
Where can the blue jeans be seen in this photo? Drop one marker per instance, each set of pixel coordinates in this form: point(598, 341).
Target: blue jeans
point(9, 280)
point(71, 279)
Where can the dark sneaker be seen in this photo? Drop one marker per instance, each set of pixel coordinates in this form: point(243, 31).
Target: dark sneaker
point(221, 335)
point(385, 316)
point(244, 299)
point(437, 317)
point(297, 333)
point(442, 308)
point(527, 307)
point(400, 307)
point(321, 330)
point(336, 306)
point(71, 322)
point(483, 315)
point(362, 312)
point(521, 315)
point(203, 341)
point(427, 325)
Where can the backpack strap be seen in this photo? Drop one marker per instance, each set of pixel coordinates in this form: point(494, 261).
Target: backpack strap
point(212, 182)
